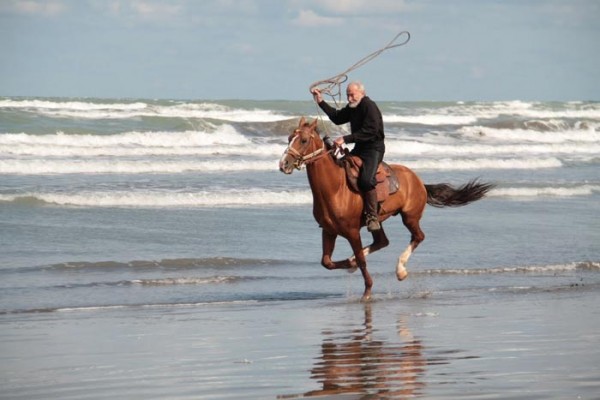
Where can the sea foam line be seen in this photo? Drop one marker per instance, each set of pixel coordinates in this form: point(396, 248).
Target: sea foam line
point(548, 191)
point(243, 197)
point(167, 166)
point(543, 269)
point(152, 199)
point(106, 110)
point(116, 166)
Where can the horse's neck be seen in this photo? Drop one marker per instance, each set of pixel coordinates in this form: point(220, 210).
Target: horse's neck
point(325, 177)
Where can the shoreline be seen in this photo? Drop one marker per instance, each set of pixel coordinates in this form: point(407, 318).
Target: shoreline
point(435, 347)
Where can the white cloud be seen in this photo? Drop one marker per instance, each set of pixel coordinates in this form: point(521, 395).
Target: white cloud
point(360, 6)
point(155, 10)
point(309, 18)
point(34, 7)
point(353, 7)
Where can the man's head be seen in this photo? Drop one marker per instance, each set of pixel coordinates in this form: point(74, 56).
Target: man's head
point(355, 92)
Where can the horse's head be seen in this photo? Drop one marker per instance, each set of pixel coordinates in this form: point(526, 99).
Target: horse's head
point(304, 145)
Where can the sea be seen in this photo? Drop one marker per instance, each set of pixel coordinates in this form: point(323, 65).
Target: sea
point(144, 207)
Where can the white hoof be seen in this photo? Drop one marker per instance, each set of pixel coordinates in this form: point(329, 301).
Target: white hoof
point(401, 272)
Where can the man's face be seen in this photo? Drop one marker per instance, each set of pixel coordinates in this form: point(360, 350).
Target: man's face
point(354, 95)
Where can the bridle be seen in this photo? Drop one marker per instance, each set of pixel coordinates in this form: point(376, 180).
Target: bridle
point(305, 159)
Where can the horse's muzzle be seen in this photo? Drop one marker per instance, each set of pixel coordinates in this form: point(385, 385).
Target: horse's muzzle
point(285, 165)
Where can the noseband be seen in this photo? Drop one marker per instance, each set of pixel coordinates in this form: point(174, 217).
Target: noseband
point(299, 158)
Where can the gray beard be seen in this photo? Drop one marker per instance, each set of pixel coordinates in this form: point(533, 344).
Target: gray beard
point(353, 105)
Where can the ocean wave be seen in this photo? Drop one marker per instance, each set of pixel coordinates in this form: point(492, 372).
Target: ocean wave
point(452, 164)
point(532, 269)
point(219, 135)
point(548, 191)
point(156, 199)
point(237, 198)
point(431, 119)
point(114, 307)
point(219, 164)
point(589, 135)
point(108, 110)
point(146, 166)
point(170, 264)
point(465, 113)
point(414, 147)
point(228, 140)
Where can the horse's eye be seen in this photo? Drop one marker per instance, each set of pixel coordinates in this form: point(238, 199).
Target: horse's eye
point(304, 141)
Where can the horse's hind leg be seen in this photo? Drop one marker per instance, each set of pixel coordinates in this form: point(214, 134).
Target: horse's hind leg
point(380, 241)
point(416, 237)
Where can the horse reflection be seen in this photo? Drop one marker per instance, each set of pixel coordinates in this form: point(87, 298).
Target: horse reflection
point(357, 363)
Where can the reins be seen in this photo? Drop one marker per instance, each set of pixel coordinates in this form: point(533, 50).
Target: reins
point(310, 158)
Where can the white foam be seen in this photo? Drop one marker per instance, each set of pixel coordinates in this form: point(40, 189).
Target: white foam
point(543, 269)
point(431, 119)
point(184, 281)
point(482, 133)
point(449, 164)
point(154, 199)
point(402, 147)
point(96, 110)
point(119, 166)
point(225, 140)
point(548, 191)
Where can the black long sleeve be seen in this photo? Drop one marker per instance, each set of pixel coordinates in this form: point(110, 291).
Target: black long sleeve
point(366, 122)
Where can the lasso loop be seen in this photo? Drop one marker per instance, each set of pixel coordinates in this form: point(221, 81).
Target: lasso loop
point(333, 86)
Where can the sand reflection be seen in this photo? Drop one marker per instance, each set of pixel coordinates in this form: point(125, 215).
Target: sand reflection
point(356, 362)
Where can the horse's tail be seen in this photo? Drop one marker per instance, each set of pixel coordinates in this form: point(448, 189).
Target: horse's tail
point(445, 195)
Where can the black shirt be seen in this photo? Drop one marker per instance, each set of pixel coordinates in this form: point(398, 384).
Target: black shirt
point(366, 123)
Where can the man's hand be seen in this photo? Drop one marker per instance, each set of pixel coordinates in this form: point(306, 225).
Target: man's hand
point(339, 141)
point(317, 95)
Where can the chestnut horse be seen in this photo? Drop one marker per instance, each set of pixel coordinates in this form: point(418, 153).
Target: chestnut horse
point(339, 210)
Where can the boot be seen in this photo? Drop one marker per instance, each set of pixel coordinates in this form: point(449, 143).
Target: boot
point(370, 198)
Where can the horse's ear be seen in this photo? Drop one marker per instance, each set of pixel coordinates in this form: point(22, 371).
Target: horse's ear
point(302, 122)
point(313, 125)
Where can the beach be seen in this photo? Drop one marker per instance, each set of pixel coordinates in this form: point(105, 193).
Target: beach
point(510, 346)
point(152, 249)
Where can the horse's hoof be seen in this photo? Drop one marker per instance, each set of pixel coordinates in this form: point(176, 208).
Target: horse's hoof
point(401, 273)
point(353, 265)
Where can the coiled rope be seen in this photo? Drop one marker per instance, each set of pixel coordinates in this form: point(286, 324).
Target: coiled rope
point(333, 86)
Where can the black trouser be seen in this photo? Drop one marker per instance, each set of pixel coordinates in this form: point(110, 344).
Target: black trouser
point(371, 159)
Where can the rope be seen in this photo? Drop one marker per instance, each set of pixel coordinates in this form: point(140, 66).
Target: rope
point(333, 85)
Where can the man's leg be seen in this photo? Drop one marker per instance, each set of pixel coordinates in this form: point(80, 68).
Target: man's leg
point(366, 183)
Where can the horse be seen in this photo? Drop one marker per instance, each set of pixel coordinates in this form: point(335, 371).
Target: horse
point(339, 210)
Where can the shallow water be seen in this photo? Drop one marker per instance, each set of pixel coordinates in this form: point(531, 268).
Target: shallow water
point(151, 249)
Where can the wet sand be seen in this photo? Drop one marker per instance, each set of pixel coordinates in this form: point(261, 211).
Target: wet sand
point(542, 345)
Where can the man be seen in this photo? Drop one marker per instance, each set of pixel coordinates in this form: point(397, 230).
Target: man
point(366, 126)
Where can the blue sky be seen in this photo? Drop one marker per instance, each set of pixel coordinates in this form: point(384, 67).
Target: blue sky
point(274, 49)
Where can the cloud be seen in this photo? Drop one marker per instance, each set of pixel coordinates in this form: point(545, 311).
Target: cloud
point(352, 7)
point(155, 10)
point(360, 6)
point(309, 18)
point(33, 7)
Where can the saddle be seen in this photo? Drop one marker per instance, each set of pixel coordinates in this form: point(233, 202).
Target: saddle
point(387, 181)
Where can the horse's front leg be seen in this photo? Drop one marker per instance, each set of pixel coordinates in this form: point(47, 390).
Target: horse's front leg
point(328, 247)
point(361, 261)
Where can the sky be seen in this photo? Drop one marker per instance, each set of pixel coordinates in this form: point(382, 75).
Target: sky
point(479, 50)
